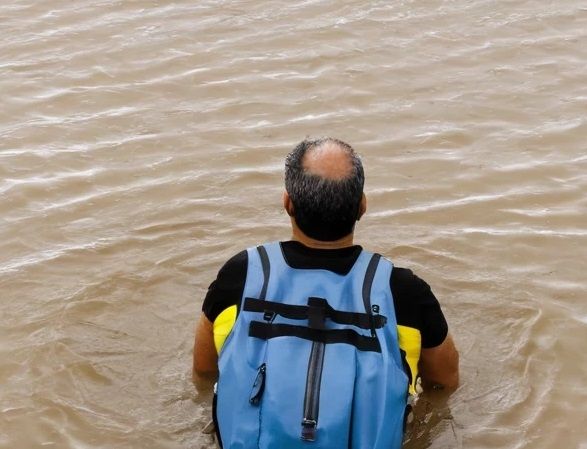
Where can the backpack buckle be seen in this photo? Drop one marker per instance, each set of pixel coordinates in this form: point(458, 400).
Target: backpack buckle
point(317, 312)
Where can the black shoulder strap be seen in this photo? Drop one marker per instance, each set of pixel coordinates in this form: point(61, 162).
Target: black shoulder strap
point(266, 268)
point(269, 330)
point(367, 284)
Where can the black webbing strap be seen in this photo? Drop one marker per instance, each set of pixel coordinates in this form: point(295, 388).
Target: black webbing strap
point(406, 366)
point(266, 268)
point(367, 284)
point(297, 312)
point(317, 308)
point(215, 420)
point(265, 331)
point(285, 310)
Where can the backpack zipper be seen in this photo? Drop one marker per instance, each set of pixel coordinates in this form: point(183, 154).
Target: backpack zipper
point(312, 395)
point(258, 386)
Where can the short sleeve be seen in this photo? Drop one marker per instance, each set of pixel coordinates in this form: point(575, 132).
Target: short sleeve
point(227, 289)
point(417, 307)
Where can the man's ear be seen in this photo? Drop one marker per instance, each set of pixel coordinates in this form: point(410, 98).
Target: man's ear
point(288, 204)
point(362, 207)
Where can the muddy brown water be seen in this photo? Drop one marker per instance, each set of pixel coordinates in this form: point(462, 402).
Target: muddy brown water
point(142, 144)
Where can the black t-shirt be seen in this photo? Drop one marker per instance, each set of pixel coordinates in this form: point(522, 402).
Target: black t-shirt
point(415, 304)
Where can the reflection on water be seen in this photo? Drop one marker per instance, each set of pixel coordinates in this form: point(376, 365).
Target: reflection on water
point(142, 145)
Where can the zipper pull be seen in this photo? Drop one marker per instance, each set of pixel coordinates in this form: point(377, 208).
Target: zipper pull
point(258, 386)
point(309, 430)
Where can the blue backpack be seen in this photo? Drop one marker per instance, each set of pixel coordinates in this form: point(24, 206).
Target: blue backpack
point(313, 359)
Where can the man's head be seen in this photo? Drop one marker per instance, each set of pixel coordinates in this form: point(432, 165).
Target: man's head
point(324, 179)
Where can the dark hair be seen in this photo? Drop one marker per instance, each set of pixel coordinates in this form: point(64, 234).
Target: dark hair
point(324, 209)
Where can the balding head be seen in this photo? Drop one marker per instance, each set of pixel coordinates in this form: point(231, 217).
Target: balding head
point(324, 179)
point(328, 160)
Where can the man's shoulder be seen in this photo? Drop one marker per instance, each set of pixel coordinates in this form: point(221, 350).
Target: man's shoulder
point(234, 264)
point(406, 276)
point(404, 281)
point(403, 275)
point(241, 258)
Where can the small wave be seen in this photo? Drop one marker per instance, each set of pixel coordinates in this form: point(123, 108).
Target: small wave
point(52, 254)
point(523, 231)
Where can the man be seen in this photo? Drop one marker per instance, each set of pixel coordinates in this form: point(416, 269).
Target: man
point(325, 340)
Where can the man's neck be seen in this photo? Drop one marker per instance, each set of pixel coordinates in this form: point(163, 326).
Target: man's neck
point(299, 236)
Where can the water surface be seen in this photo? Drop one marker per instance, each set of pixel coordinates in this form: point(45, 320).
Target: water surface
point(142, 144)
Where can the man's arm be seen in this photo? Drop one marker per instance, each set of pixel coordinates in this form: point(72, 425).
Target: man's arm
point(439, 366)
point(205, 366)
point(224, 292)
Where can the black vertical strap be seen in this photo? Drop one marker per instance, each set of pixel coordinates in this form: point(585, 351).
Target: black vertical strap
point(215, 420)
point(265, 264)
point(367, 284)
